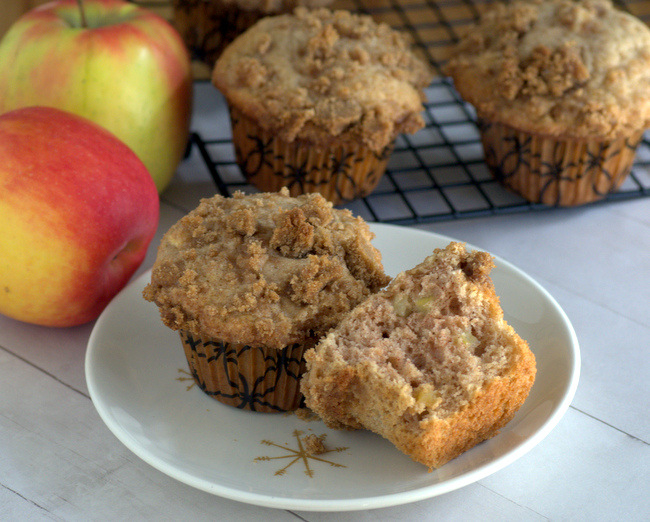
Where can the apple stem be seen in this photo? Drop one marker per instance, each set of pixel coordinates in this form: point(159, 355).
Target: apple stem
point(84, 24)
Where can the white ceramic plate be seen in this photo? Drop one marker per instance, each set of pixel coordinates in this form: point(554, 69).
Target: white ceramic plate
point(138, 381)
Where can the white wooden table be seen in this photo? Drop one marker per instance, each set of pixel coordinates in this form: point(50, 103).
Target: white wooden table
point(58, 461)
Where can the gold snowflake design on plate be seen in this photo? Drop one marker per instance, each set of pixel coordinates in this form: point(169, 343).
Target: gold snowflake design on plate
point(295, 455)
point(300, 454)
point(184, 377)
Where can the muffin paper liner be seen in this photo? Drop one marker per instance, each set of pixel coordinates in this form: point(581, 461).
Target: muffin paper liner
point(208, 27)
point(556, 171)
point(247, 377)
point(341, 172)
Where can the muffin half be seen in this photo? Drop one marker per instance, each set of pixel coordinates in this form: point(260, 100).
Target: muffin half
point(429, 363)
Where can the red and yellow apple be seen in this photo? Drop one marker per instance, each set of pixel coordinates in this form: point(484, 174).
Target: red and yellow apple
point(128, 70)
point(78, 211)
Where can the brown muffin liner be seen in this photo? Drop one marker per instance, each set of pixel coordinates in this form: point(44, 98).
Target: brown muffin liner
point(207, 27)
point(247, 377)
point(556, 171)
point(340, 172)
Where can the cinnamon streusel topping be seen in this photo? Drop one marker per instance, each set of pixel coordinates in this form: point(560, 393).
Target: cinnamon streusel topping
point(315, 75)
point(264, 269)
point(557, 67)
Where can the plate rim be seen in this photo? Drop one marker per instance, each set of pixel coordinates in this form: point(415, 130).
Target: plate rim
point(358, 503)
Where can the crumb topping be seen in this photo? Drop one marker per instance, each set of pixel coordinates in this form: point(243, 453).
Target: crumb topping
point(557, 67)
point(266, 269)
point(313, 444)
point(317, 74)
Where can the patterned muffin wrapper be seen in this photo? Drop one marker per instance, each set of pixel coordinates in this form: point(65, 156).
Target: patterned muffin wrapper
point(556, 171)
point(341, 172)
point(207, 28)
point(247, 377)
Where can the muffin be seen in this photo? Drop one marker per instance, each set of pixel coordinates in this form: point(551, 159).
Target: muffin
point(317, 99)
point(208, 26)
point(429, 363)
point(561, 95)
point(251, 282)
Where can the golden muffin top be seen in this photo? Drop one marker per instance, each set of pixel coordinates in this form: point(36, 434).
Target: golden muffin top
point(318, 75)
point(264, 269)
point(557, 68)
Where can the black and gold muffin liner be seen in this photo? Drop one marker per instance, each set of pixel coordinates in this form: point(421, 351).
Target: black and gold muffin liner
point(341, 172)
point(247, 377)
point(208, 27)
point(556, 171)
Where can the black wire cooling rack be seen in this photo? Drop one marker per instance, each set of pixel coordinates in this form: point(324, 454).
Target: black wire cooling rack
point(437, 174)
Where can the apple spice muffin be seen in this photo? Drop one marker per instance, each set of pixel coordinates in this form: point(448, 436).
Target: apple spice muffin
point(317, 99)
point(428, 363)
point(252, 281)
point(561, 94)
point(208, 26)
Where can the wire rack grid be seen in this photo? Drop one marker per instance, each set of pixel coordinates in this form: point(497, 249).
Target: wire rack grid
point(438, 173)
